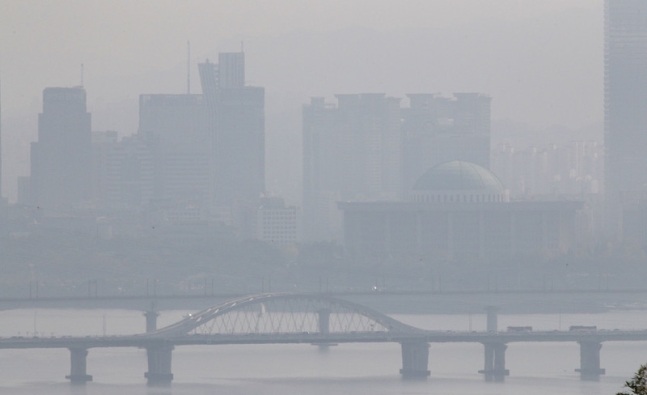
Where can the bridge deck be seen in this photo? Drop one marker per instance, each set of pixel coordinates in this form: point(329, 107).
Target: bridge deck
point(143, 341)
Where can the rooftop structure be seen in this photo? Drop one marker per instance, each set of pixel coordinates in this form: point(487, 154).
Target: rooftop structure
point(459, 181)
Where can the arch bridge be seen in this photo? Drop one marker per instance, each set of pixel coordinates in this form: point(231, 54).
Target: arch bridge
point(285, 314)
point(286, 318)
point(320, 320)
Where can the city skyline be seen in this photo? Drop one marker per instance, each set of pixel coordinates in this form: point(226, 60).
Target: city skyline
point(470, 37)
point(262, 160)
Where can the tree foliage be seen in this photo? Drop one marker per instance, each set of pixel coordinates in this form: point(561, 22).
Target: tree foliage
point(638, 384)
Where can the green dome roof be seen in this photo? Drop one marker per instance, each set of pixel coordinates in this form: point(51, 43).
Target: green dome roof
point(458, 176)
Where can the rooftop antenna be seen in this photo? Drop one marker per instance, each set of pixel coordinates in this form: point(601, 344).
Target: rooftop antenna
point(188, 67)
point(81, 75)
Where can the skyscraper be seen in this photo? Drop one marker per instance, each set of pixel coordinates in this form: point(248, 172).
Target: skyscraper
point(231, 69)
point(240, 145)
point(625, 102)
point(351, 151)
point(237, 126)
point(61, 159)
point(0, 140)
point(176, 128)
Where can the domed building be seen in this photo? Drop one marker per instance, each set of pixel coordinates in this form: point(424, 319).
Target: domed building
point(461, 211)
point(459, 182)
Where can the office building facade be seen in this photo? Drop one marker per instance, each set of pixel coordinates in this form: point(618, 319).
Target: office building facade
point(176, 129)
point(625, 88)
point(351, 151)
point(277, 224)
point(236, 123)
point(61, 159)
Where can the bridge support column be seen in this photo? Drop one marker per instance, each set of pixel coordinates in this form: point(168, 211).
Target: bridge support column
point(151, 320)
point(590, 361)
point(415, 360)
point(78, 366)
point(324, 327)
point(159, 365)
point(494, 366)
point(324, 321)
point(492, 319)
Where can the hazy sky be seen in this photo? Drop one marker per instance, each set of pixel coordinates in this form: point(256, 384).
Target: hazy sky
point(43, 43)
point(540, 60)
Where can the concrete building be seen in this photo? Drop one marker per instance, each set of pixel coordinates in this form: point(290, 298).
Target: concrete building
point(240, 146)
point(278, 224)
point(61, 161)
point(176, 129)
point(437, 129)
point(351, 151)
point(236, 114)
point(103, 142)
point(1, 140)
point(194, 157)
point(625, 82)
point(459, 211)
point(128, 174)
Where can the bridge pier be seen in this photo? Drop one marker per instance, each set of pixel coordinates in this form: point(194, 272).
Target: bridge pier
point(78, 366)
point(415, 360)
point(323, 322)
point(159, 365)
point(494, 367)
point(151, 320)
point(492, 318)
point(590, 361)
point(151, 317)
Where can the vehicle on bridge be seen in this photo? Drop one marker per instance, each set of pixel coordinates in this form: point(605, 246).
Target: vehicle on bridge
point(583, 328)
point(520, 329)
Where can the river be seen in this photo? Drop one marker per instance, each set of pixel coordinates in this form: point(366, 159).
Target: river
point(361, 369)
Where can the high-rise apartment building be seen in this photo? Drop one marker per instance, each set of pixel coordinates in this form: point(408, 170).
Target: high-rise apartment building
point(61, 159)
point(351, 151)
point(625, 88)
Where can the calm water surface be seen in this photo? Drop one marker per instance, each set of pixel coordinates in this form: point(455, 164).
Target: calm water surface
point(362, 369)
